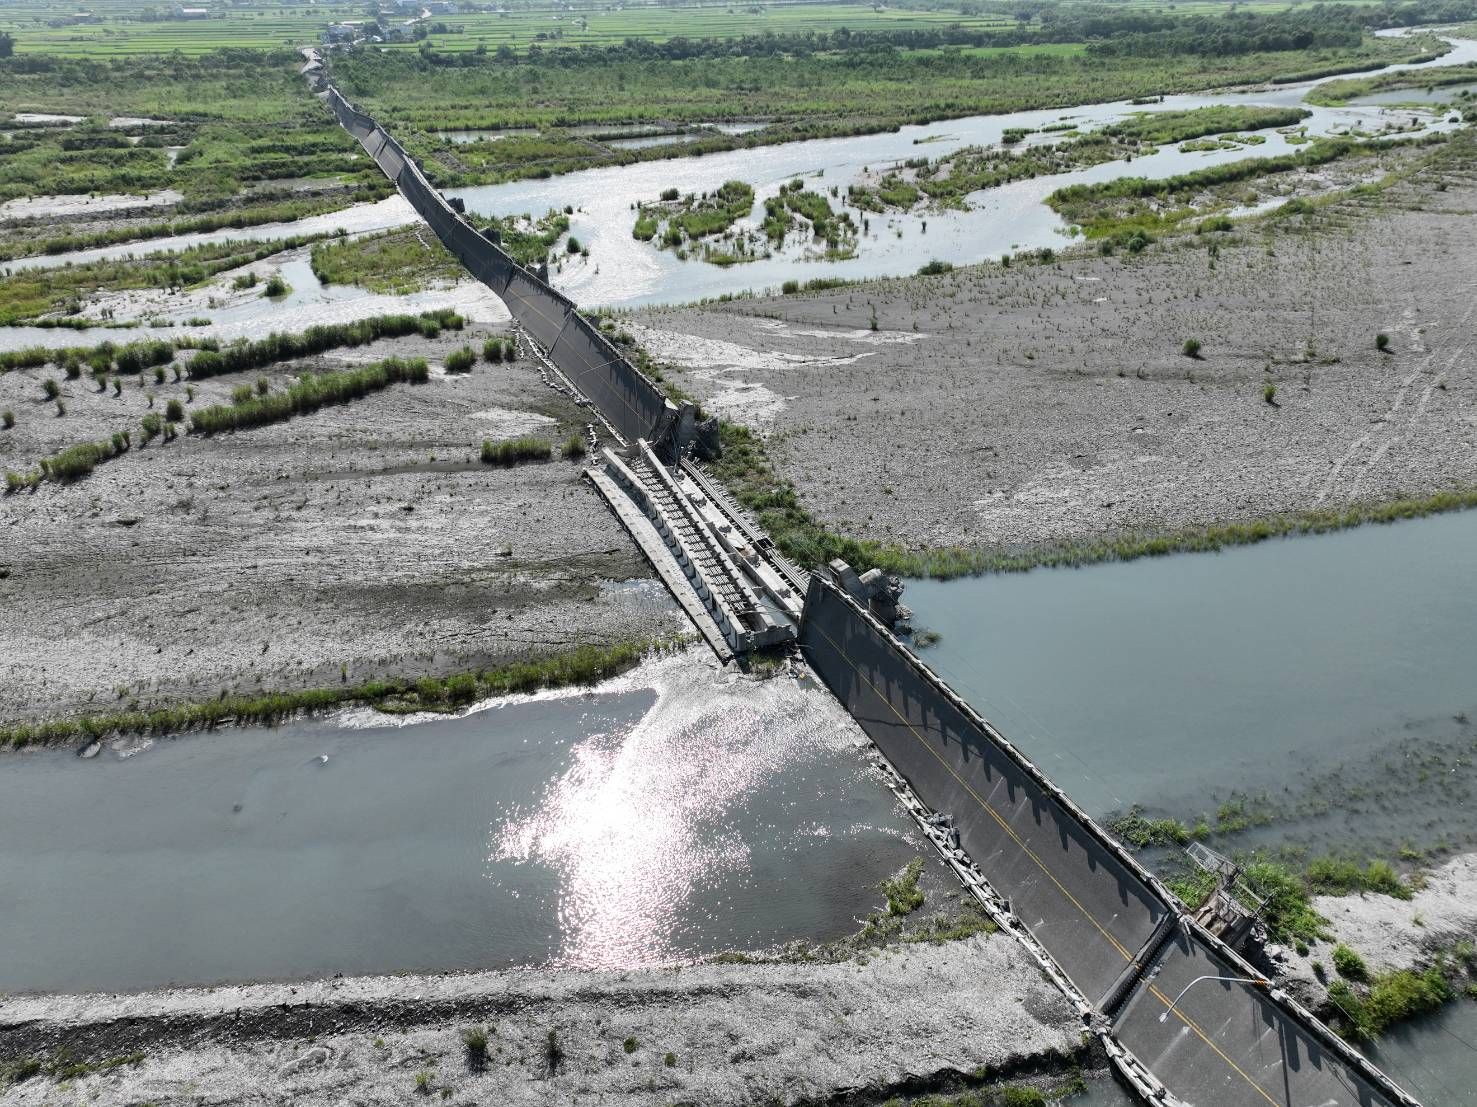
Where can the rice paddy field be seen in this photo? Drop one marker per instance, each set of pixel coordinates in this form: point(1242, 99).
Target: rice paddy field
point(126, 28)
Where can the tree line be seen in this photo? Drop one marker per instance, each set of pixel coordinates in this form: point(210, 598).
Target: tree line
point(1105, 31)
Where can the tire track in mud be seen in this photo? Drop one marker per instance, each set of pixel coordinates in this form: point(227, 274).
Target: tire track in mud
point(1365, 469)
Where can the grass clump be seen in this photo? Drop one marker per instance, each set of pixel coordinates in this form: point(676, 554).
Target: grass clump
point(513, 451)
point(307, 395)
point(1191, 348)
point(276, 287)
point(1364, 1012)
point(1349, 964)
point(475, 1040)
point(492, 350)
point(903, 894)
point(630, 1045)
point(1141, 832)
point(461, 361)
point(574, 446)
point(8, 418)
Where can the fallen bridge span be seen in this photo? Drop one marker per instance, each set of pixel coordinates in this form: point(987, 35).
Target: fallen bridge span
point(1184, 1017)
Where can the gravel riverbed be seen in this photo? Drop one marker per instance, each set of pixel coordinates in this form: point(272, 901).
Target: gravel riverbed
point(1041, 403)
point(914, 1016)
point(361, 540)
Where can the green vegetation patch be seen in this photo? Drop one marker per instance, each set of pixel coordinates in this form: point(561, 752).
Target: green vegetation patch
point(278, 347)
point(515, 451)
point(1338, 93)
point(903, 894)
point(1365, 1011)
point(35, 292)
point(308, 394)
point(584, 665)
point(682, 223)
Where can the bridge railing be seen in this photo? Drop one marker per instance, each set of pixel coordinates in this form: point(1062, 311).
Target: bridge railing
point(630, 401)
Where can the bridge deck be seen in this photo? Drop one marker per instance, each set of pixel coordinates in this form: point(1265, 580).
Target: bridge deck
point(1230, 1044)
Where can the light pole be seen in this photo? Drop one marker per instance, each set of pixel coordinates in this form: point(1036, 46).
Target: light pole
point(1225, 979)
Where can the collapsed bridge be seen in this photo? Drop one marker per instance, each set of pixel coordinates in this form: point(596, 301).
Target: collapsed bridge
point(1184, 1018)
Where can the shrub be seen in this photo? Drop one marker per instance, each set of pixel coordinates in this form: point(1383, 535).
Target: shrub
point(492, 349)
point(461, 361)
point(1269, 393)
point(669, 194)
point(276, 287)
point(789, 288)
point(51, 388)
point(670, 1060)
point(553, 1051)
point(8, 418)
point(1382, 342)
point(241, 394)
point(936, 268)
point(263, 386)
point(510, 350)
point(158, 374)
point(244, 281)
point(630, 1045)
point(174, 411)
point(1349, 964)
point(152, 426)
point(573, 245)
point(1191, 347)
point(511, 451)
point(574, 446)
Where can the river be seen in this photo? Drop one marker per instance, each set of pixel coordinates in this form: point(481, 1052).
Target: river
point(677, 812)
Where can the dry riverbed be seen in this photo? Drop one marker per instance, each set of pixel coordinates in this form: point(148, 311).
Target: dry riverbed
point(1054, 403)
point(361, 540)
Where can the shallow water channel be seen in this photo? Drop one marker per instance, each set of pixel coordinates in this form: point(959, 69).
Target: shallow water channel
point(1332, 675)
point(676, 813)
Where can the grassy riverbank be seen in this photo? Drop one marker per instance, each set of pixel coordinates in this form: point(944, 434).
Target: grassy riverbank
point(584, 665)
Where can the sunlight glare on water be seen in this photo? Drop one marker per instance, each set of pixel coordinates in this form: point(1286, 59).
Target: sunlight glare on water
point(638, 824)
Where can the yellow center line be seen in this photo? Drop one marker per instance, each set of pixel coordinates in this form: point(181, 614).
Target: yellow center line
point(1030, 853)
point(1162, 998)
point(923, 741)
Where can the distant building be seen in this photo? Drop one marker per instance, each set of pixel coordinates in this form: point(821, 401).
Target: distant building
point(84, 17)
point(192, 13)
point(342, 32)
point(440, 7)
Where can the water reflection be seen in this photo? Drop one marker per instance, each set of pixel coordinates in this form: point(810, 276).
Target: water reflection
point(704, 796)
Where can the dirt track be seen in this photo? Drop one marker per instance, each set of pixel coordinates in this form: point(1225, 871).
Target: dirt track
point(1044, 403)
point(363, 539)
